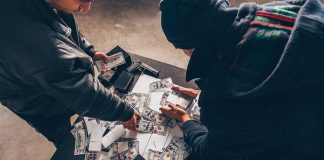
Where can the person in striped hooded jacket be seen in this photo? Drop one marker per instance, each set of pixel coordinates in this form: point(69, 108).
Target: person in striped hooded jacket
point(259, 69)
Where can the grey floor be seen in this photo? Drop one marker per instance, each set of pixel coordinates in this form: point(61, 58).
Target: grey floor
point(132, 24)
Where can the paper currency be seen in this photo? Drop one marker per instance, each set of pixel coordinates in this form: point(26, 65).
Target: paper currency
point(130, 147)
point(112, 62)
point(176, 98)
point(80, 142)
point(73, 131)
point(177, 149)
point(138, 100)
point(169, 152)
point(195, 113)
point(162, 85)
point(159, 129)
point(155, 116)
point(106, 75)
point(145, 126)
point(79, 125)
point(151, 127)
point(154, 155)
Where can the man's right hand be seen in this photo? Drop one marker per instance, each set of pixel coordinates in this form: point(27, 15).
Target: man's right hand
point(186, 91)
point(131, 123)
point(175, 112)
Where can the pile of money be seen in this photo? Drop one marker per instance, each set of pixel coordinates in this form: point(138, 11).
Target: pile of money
point(88, 134)
point(103, 140)
point(100, 140)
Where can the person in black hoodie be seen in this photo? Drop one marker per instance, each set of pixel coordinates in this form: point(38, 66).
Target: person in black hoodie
point(46, 68)
point(259, 68)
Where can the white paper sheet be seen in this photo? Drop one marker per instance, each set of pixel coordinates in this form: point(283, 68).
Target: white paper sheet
point(143, 84)
point(183, 102)
point(122, 147)
point(96, 133)
point(155, 101)
point(113, 135)
point(95, 146)
point(174, 99)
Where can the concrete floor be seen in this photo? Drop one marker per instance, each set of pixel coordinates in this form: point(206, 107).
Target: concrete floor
point(132, 24)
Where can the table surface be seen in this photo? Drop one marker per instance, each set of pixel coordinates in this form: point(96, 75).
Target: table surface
point(66, 150)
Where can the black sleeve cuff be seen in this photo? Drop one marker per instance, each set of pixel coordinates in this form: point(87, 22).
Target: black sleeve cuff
point(91, 52)
point(127, 114)
point(190, 124)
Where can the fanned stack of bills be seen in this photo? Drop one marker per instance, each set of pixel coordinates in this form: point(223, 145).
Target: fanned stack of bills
point(107, 67)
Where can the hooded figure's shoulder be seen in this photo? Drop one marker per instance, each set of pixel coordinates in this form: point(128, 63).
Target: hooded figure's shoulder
point(297, 63)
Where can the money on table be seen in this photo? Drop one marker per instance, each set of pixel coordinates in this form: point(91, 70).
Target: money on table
point(101, 140)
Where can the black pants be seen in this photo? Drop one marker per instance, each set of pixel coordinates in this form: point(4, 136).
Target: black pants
point(53, 128)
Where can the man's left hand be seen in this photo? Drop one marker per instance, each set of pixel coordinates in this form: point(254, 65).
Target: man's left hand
point(99, 56)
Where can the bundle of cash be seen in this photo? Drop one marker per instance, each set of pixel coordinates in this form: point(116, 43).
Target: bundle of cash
point(176, 98)
point(112, 62)
point(155, 116)
point(138, 100)
point(107, 67)
point(162, 85)
point(106, 74)
point(158, 118)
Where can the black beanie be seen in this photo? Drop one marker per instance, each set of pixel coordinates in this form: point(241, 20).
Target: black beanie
point(183, 20)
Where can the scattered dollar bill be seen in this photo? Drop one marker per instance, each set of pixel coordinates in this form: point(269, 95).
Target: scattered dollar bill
point(154, 155)
point(195, 113)
point(128, 148)
point(151, 127)
point(80, 125)
point(177, 149)
point(169, 152)
point(80, 142)
point(144, 126)
point(73, 131)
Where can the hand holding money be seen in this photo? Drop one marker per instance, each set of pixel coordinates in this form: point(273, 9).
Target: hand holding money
point(175, 112)
point(131, 123)
point(186, 91)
